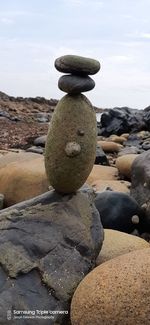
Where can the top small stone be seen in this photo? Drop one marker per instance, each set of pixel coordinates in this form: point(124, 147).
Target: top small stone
point(77, 65)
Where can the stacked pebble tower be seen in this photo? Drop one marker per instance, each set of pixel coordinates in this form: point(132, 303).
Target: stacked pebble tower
point(71, 141)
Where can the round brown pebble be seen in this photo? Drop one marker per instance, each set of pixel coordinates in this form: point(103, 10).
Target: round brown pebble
point(117, 292)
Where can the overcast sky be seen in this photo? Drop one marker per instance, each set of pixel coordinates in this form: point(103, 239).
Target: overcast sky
point(33, 33)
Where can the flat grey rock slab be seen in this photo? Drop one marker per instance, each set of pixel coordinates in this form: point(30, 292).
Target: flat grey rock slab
point(47, 246)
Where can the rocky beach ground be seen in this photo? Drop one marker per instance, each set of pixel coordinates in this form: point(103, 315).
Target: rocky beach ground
point(60, 254)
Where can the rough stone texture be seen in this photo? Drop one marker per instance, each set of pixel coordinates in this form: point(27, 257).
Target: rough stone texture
point(68, 173)
point(129, 151)
point(47, 245)
point(124, 164)
point(110, 146)
point(117, 209)
point(23, 179)
point(119, 186)
point(102, 173)
point(134, 140)
point(1, 201)
point(77, 65)
point(117, 243)
point(146, 145)
point(140, 178)
point(121, 120)
point(74, 85)
point(116, 292)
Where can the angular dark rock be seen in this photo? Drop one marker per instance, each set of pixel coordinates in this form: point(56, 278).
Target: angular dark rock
point(47, 245)
point(121, 120)
point(101, 158)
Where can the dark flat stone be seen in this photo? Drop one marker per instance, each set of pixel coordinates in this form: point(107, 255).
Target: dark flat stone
point(47, 246)
point(74, 85)
point(77, 65)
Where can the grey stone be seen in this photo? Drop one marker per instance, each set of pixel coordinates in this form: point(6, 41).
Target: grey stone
point(77, 65)
point(146, 145)
point(140, 183)
point(40, 141)
point(1, 201)
point(35, 150)
point(74, 85)
point(43, 117)
point(101, 158)
point(129, 150)
point(47, 245)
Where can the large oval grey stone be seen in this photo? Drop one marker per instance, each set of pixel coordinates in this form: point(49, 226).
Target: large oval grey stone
point(74, 85)
point(77, 65)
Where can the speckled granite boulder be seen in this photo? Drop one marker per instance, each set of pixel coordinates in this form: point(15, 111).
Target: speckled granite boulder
point(117, 243)
point(116, 292)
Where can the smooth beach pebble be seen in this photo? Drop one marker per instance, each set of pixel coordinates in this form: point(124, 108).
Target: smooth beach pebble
point(117, 243)
point(77, 65)
point(73, 85)
point(116, 292)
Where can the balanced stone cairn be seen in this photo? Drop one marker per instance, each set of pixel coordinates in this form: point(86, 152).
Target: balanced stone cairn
point(71, 141)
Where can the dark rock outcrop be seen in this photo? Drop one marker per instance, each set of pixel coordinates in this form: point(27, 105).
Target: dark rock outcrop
point(121, 120)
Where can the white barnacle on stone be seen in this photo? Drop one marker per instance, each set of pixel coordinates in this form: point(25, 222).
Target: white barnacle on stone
point(72, 149)
point(135, 219)
point(144, 206)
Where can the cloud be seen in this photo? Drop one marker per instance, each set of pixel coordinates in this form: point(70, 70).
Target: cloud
point(6, 21)
point(120, 59)
point(145, 35)
point(84, 3)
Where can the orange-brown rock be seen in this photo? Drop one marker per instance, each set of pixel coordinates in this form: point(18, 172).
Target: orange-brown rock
point(110, 146)
point(118, 139)
point(102, 173)
point(116, 292)
point(22, 180)
point(117, 243)
point(125, 135)
point(119, 186)
point(124, 164)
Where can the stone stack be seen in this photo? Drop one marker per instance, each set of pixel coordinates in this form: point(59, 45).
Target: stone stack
point(79, 68)
point(70, 153)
